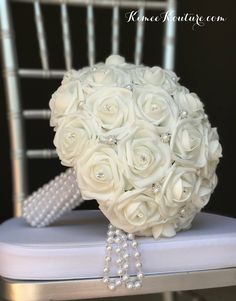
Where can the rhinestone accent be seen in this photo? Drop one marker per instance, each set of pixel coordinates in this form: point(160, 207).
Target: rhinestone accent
point(156, 188)
point(165, 138)
point(110, 140)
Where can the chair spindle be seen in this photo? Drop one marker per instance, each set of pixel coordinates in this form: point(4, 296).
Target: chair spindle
point(41, 35)
point(115, 30)
point(139, 38)
point(91, 35)
point(66, 36)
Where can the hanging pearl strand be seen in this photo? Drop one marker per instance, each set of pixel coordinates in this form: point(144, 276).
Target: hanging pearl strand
point(123, 245)
point(52, 200)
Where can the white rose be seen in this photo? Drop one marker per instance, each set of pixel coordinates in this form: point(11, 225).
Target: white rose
point(65, 100)
point(113, 107)
point(156, 106)
point(214, 152)
point(98, 173)
point(205, 190)
point(74, 136)
point(103, 75)
point(155, 76)
point(200, 198)
point(178, 189)
point(209, 169)
point(116, 60)
point(188, 143)
point(170, 83)
point(190, 103)
point(133, 211)
point(184, 220)
point(144, 157)
point(214, 147)
point(69, 76)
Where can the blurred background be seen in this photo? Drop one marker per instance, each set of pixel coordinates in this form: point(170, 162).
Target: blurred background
point(205, 63)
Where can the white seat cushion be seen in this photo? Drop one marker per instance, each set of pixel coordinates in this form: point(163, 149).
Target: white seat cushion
point(74, 247)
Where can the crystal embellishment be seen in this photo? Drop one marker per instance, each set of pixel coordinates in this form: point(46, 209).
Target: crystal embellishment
point(165, 138)
point(156, 188)
point(109, 140)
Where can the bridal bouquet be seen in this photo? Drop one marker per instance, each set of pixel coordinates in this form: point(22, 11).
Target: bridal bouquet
point(140, 143)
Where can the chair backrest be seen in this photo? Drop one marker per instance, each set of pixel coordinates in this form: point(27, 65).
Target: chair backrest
point(12, 73)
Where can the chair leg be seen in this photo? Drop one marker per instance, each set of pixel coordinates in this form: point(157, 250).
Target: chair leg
point(168, 296)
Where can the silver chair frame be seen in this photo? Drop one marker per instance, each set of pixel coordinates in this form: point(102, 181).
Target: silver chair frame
point(19, 154)
point(94, 288)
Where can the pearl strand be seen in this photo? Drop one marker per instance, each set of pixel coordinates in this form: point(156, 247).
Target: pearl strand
point(121, 243)
point(48, 203)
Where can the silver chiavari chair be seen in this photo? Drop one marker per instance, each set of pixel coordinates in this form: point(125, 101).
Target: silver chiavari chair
point(19, 154)
point(12, 288)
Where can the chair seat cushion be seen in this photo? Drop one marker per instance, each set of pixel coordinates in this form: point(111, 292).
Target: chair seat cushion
point(74, 247)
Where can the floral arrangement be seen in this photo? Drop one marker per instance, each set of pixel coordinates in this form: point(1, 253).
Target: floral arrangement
point(140, 143)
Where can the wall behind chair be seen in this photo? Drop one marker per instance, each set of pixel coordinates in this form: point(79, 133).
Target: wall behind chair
point(205, 62)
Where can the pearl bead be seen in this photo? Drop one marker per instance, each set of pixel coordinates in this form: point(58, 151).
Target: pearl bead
point(130, 236)
point(125, 266)
point(111, 227)
point(129, 285)
point(123, 236)
point(120, 272)
point(126, 255)
point(134, 244)
point(118, 232)
point(138, 264)
point(109, 248)
point(110, 240)
point(154, 107)
point(118, 282)
point(117, 240)
point(119, 261)
point(110, 233)
point(106, 270)
point(140, 275)
point(105, 279)
point(137, 284)
point(118, 250)
point(182, 212)
point(129, 87)
point(107, 258)
point(99, 175)
point(111, 286)
point(125, 245)
point(183, 114)
point(137, 254)
point(125, 277)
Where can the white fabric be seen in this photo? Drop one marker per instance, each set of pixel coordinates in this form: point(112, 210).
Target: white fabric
point(74, 247)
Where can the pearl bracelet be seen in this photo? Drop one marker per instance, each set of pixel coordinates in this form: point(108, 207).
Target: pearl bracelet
point(48, 203)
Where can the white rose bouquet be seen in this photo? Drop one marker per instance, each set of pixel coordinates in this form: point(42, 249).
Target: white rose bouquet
point(140, 143)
